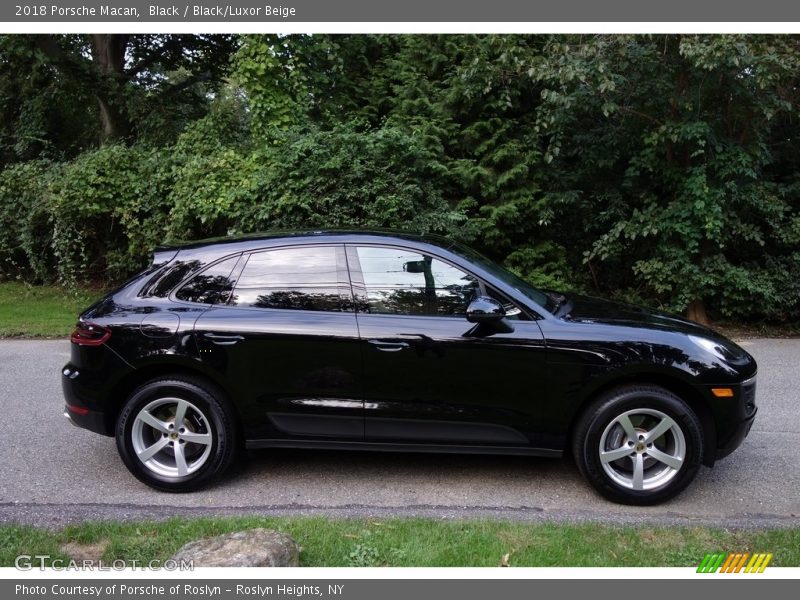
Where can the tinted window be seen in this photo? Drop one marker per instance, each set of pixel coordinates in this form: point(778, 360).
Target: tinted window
point(212, 286)
point(408, 283)
point(505, 275)
point(295, 278)
point(164, 280)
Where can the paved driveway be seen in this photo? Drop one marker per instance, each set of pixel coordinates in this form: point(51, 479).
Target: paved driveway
point(52, 473)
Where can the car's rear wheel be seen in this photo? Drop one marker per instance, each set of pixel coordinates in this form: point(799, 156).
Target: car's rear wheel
point(176, 434)
point(639, 444)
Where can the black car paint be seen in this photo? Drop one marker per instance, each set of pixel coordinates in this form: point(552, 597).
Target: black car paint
point(352, 379)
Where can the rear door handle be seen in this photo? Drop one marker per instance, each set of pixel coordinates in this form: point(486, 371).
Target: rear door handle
point(223, 340)
point(385, 346)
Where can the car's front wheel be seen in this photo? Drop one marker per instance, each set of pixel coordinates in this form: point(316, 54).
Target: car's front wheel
point(639, 444)
point(176, 434)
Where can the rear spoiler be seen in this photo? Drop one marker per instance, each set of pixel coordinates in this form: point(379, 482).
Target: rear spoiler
point(162, 256)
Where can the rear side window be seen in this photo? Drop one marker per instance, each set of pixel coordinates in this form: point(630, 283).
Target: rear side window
point(304, 278)
point(165, 279)
point(212, 286)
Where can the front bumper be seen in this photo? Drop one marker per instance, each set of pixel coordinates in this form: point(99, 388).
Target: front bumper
point(734, 422)
point(737, 437)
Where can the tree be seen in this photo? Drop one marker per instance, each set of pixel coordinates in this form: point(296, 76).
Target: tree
point(678, 149)
point(664, 166)
point(132, 76)
point(658, 169)
point(41, 115)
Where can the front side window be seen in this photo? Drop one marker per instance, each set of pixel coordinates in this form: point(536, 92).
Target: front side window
point(515, 281)
point(403, 282)
point(305, 278)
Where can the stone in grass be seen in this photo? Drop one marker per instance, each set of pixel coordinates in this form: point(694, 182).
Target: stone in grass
point(251, 548)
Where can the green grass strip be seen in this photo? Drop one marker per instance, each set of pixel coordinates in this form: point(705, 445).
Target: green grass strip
point(418, 542)
point(40, 311)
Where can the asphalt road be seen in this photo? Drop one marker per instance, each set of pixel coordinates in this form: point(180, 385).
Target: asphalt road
point(52, 473)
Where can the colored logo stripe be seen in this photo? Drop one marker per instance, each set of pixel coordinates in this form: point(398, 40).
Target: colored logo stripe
point(734, 562)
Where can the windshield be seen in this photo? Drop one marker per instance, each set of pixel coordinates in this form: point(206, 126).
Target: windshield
point(515, 281)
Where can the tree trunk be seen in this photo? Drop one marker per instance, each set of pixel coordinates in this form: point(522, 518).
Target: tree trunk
point(115, 125)
point(696, 311)
point(108, 55)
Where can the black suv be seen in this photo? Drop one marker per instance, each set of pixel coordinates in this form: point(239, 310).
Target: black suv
point(390, 341)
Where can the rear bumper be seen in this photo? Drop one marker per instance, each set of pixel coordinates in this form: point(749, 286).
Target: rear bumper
point(79, 408)
point(91, 420)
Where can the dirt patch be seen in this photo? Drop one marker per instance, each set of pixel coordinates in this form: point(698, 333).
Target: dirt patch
point(80, 552)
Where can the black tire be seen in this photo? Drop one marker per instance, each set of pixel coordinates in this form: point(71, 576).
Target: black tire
point(611, 478)
point(207, 414)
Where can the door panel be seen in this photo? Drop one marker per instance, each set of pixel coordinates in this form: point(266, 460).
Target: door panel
point(429, 375)
point(446, 386)
point(288, 345)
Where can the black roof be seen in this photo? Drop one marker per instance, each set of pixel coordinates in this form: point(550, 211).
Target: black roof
point(356, 234)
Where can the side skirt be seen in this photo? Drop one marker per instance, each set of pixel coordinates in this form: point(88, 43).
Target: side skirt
point(389, 447)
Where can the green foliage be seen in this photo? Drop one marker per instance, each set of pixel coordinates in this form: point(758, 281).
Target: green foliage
point(105, 209)
point(697, 210)
point(99, 216)
point(349, 179)
point(363, 555)
point(25, 221)
point(60, 94)
point(42, 116)
point(543, 265)
point(662, 169)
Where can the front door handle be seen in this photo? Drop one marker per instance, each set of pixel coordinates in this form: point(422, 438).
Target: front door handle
point(385, 346)
point(223, 340)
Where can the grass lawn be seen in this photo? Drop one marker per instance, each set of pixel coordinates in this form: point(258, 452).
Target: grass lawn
point(414, 542)
point(40, 311)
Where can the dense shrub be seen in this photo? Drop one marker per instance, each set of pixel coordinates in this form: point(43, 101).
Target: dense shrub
point(659, 169)
point(26, 232)
point(99, 216)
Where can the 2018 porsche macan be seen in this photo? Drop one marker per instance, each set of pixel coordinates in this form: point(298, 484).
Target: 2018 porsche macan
point(391, 341)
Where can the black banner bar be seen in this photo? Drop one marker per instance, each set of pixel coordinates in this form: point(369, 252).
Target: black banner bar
point(388, 589)
point(463, 11)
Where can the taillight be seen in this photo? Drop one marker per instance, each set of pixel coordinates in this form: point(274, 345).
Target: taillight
point(78, 410)
point(90, 334)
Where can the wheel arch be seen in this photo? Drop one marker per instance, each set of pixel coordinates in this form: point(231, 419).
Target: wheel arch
point(670, 382)
point(141, 375)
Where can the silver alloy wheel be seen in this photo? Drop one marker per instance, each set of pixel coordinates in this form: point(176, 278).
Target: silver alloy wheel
point(642, 449)
point(171, 437)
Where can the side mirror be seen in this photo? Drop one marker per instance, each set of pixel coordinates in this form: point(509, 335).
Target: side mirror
point(485, 310)
point(414, 266)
